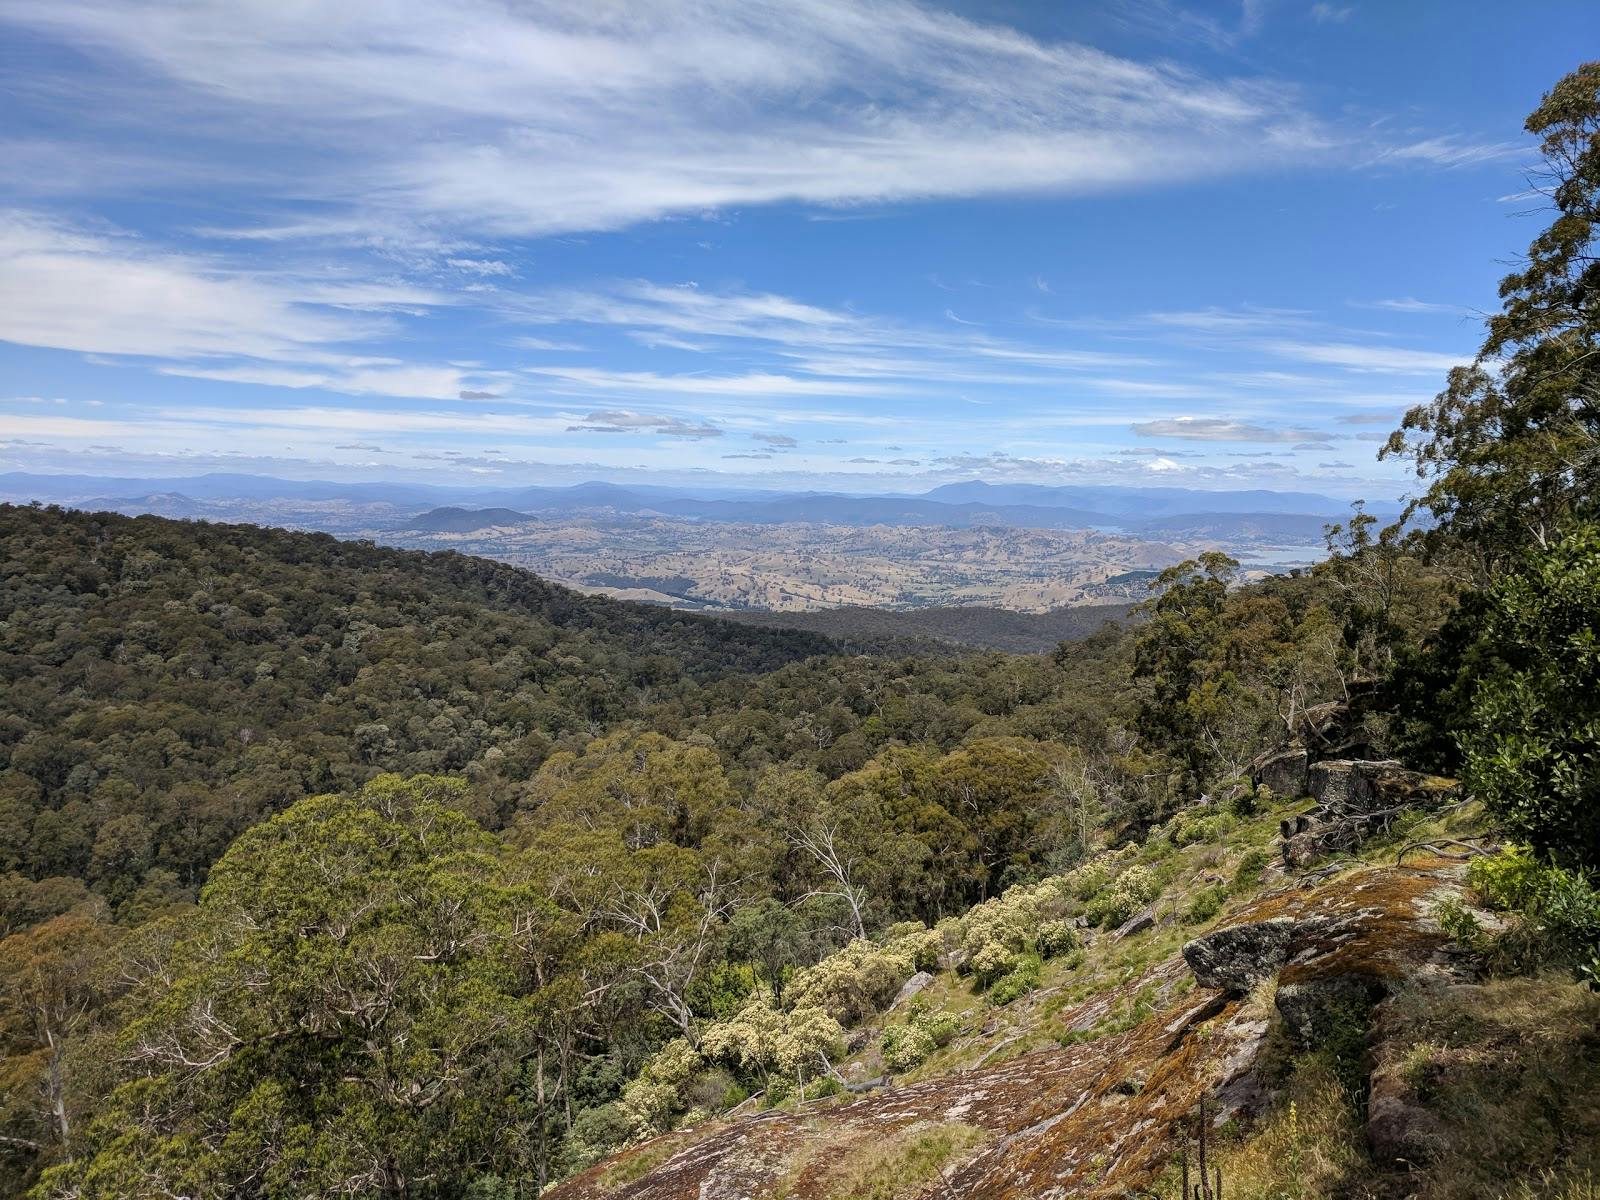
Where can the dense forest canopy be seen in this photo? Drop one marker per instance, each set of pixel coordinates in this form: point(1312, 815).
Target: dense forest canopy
point(334, 870)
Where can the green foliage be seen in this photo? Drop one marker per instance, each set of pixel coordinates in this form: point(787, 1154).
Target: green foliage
point(169, 684)
point(1532, 747)
point(855, 982)
point(1199, 825)
point(1171, 653)
point(1508, 447)
point(1056, 938)
point(344, 1014)
point(1207, 903)
point(794, 1046)
point(908, 1044)
point(1247, 875)
point(1555, 915)
point(1024, 975)
point(905, 1047)
point(1133, 889)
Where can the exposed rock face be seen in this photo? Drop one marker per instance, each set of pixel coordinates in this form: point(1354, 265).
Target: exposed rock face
point(1346, 785)
point(911, 987)
point(1138, 923)
point(1236, 957)
point(1355, 799)
point(1096, 1118)
point(1283, 771)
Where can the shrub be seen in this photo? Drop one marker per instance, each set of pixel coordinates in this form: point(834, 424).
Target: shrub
point(1021, 980)
point(648, 1107)
point(1203, 825)
point(1090, 880)
point(1247, 875)
point(1055, 938)
point(1206, 904)
point(761, 1039)
point(990, 961)
point(905, 1047)
point(1246, 801)
point(916, 942)
point(1134, 888)
point(1532, 747)
point(1557, 911)
point(855, 982)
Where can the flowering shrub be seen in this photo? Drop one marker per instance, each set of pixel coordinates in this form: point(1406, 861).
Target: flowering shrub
point(859, 980)
point(905, 1047)
point(1055, 938)
point(992, 960)
point(1134, 888)
point(761, 1040)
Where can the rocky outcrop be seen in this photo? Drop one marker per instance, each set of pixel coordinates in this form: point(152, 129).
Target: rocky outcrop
point(911, 987)
point(1356, 798)
point(1234, 959)
point(1362, 786)
point(1283, 772)
point(1138, 923)
point(1096, 1117)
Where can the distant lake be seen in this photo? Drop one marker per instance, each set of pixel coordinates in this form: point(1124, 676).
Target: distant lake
point(1284, 556)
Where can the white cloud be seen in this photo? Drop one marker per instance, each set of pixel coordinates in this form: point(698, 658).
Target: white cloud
point(626, 421)
point(547, 116)
point(1218, 429)
point(757, 383)
point(70, 290)
point(1377, 359)
point(429, 383)
point(1410, 304)
point(1453, 151)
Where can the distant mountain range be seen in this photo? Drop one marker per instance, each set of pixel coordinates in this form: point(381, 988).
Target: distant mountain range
point(1157, 513)
point(1161, 518)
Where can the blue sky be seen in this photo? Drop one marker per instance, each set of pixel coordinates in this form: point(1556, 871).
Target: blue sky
point(868, 246)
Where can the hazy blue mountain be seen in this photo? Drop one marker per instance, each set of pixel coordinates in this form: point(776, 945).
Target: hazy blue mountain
point(1159, 511)
point(464, 520)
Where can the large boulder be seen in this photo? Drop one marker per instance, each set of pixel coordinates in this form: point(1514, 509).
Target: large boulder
point(911, 987)
point(1283, 771)
point(1138, 923)
point(1235, 958)
point(1350, 786)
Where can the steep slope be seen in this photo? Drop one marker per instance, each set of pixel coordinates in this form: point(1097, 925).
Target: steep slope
point(1099, 1117)
point(170, 683)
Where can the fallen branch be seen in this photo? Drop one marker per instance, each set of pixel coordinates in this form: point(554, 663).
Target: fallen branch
point(1436, 845)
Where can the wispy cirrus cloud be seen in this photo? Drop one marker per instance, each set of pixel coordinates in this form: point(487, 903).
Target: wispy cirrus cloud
point(70, 289)
point(1408, 304)
point(548, 117)
point(1373, 359)
point(1218, 429)
point(626, 421)
point(757, 383)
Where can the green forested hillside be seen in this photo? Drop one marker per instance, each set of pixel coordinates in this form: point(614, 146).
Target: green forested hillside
point(554, 834)
point(169, 684)
point(990, 628)
point(335, 871)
